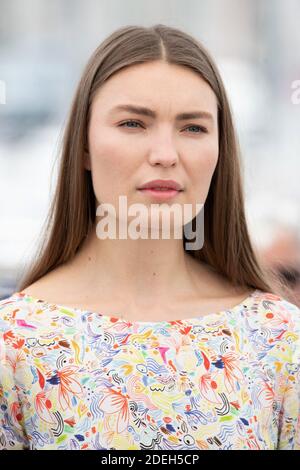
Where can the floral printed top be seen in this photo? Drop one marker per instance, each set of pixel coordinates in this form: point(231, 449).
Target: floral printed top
point(75, 379)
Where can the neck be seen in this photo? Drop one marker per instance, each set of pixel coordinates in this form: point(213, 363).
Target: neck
point(147, 270)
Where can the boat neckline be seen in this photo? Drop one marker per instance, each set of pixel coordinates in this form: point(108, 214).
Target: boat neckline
point(116, 318)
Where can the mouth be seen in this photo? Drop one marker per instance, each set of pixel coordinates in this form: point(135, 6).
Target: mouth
point(160, 193)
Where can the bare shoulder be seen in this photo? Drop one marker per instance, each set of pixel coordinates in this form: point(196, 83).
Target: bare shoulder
point(50, 286)
point(209, 292)
point(62, 286)
point(217, 287)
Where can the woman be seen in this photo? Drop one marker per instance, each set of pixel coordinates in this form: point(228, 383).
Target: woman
point(149, 343)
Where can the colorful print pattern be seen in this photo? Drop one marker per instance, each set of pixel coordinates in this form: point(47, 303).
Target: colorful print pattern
point(75, 379)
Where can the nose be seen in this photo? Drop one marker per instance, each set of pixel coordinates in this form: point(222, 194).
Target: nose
point(164, 154)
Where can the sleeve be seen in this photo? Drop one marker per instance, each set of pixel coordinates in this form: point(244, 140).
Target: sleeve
point(289, 418)
point(289, 429)
point(12, 435)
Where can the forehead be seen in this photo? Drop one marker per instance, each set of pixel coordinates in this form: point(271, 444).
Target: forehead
point(159, 86)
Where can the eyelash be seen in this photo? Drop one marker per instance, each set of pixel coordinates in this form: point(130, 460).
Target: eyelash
point(203, 129)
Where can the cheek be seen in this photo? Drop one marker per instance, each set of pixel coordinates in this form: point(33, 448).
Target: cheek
point(203, 168)
point(110, 154)
point(110, 165)
point(207, 158)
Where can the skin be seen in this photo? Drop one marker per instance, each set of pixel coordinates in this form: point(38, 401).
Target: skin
point(146, 279)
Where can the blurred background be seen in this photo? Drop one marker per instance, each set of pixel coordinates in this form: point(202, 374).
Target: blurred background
point(43, 48)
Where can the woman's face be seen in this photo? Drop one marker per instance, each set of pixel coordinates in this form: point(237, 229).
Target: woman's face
point(123, 156)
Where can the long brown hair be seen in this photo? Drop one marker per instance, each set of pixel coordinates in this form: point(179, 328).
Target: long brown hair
point(227, 246)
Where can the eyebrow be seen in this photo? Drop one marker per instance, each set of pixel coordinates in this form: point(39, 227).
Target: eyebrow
point(150, 113)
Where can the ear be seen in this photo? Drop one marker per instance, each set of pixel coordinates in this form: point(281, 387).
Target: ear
point(87, 161)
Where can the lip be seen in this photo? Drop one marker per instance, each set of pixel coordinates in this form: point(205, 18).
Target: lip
point(161, 195)
point(168, 184)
